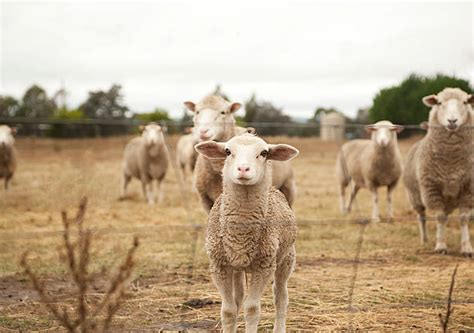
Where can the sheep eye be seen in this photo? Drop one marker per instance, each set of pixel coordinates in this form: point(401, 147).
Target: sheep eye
point(197, 112)
point(264, 153)
point(222, 112)
point(227, 151)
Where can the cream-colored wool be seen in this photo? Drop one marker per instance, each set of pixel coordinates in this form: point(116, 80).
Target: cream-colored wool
point(186, 156)
point(8, 160)
point(251, 229)
point(439, 168)
point(214, 120)
point(371, 164)
point(146, 158)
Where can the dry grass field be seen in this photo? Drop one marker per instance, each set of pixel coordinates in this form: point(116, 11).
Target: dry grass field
point(400, 284)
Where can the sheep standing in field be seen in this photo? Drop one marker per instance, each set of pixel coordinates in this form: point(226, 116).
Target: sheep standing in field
point(7, 154)
point(214, 121)
point(186, 156)
point(146, 158)
point(439, 169)
point(372, 164)
point(251, 229)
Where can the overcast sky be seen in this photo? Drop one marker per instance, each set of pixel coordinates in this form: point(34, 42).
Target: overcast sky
point(296, 54)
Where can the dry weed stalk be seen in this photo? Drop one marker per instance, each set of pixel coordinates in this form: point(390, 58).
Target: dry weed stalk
point(77, 257)
point(444, 321)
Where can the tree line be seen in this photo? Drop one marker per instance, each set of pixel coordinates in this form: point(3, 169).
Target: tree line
point(400, 104)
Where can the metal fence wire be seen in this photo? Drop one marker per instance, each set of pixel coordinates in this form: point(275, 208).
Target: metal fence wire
point(94, 128)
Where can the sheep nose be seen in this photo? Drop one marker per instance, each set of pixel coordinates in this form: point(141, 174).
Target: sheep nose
point(243, 168)
point(452, 121)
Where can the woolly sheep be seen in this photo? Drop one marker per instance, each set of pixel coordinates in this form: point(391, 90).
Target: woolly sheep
point(439, 167)
point(146, 158)
point(7, 154)
point(251, 229)
point(185, 154)
point(371, 164)
point(214, 120)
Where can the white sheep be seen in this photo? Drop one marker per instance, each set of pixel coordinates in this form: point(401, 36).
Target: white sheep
point(251, 229)
point(146, 158)
point(371, 164)
point(439, 168)
point(7, 154)
point(214, 120)
point(186, 155)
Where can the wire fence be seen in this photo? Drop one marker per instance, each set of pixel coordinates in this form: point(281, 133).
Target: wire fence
point(196, 227)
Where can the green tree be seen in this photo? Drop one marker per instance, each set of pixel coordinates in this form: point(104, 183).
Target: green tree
point(36, 104)
point(218, 92)
point(316, 118)
point(402, 103)
point(9, 106)
point(105, 104)
point(157, 115)
point(265, 112)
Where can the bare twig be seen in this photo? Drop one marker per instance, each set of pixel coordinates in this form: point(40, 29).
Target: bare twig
point(444, 321)
point(77, 259)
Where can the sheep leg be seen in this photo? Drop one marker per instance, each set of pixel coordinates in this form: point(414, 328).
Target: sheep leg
point(355, 189)
point(148, 190)
point(238, 289)
point(258, 281)
point(390, 190)
point(161, 193)
point(375, 205)
point(280, 290)
point(223, 280)
point(441, 246)
point(342, 199)
point(422, 226)
point(125, 181)
point(466, 247)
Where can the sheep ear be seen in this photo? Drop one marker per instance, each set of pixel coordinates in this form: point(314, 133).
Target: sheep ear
point(430, 100)
point(397, 128)
point(470, 99)
point(13, 130)
point(190, 106)
point(251, 130)
point(370, 128)
point(211, 149)
point(282, 152)
point(234, 107)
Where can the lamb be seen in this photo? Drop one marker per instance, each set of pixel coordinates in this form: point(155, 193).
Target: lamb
point(185, 154)
point(214, 120)
point(371, 164)
point(439, 169)
point(7, 154)
point(251, 229)
point(146, 158)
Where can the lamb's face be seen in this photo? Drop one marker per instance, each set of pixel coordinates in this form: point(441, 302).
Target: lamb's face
point(451, 108)
point(210, 124)
point(153, 134)
point(246, 157)
point(6, 135)
point(383, 133)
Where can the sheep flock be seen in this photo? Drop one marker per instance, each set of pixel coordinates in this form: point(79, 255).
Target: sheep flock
point(247, 188)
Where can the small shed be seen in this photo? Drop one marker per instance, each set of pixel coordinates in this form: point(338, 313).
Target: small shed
point(333, 126)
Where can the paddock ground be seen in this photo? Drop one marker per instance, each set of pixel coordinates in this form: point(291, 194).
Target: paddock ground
point(400, 284)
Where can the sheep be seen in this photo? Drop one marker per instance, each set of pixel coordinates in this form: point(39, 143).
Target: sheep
point(251, 229)
point(7, 154)
point(185, 154)
point(439, 167)
point(371, 164)
point(146, 158)
point(214, 120)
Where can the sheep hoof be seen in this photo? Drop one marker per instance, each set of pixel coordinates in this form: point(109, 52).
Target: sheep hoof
point(441, 249)
point(467, 254)
point(466, 250)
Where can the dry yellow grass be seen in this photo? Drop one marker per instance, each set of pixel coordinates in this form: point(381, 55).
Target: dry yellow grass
point(400, 284)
